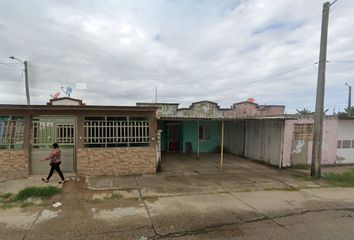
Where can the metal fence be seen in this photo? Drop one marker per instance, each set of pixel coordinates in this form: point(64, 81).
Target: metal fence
point(116, 131)
point(11, 134)
point(48, 131)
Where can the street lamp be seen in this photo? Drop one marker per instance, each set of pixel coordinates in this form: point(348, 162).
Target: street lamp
point(349, 99)
point(26, 78)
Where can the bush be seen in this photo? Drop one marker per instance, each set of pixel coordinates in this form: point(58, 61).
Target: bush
point(41, 192)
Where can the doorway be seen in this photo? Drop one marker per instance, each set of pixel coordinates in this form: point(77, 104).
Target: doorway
point(173, 137)
point(46, 130)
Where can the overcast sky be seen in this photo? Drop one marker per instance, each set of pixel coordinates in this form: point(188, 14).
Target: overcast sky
point(192, 50)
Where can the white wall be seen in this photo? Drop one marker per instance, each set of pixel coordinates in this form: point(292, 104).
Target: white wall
point(345, 132)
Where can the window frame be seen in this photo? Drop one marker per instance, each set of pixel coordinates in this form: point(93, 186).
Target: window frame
point(205, 133)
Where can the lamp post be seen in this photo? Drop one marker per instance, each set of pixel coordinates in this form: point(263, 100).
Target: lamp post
point(26, 78)
point(349, 99)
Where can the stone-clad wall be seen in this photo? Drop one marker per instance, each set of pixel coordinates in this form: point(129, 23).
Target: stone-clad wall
point(13, 164)
point(116, 161)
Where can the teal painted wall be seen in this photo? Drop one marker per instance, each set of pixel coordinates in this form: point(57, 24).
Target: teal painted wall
point(190, 134)
point(162, 126)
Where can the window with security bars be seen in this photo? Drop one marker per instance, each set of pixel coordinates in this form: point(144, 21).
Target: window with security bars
point(303, 132)
point(116, 131)
point(11, 132)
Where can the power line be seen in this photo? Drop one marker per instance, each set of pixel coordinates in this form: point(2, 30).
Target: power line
point(3, 63)
point(280, 74)
point(333, 2)
point(345, 61)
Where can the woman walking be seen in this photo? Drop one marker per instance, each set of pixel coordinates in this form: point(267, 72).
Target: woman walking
point(55, 162)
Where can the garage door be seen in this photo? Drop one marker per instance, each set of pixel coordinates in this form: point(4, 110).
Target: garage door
point(44, 132)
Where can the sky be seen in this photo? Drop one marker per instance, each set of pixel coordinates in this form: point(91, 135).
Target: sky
point(191, 50)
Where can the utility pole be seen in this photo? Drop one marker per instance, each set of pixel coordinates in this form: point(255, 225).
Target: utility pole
point(26, 83)
point(26, 78)
point(318, 117)
point(349, 100)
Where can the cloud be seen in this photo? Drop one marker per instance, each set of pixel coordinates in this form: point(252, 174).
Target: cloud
point(224, 51)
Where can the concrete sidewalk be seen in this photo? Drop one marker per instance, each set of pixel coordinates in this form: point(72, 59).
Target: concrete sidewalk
point(225, 215)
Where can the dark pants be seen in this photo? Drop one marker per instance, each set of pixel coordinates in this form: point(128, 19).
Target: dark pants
point(56, 167)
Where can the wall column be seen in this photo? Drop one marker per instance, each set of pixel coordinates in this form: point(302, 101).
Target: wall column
point(222, 145)
point(80, 131)
point(198, 141)
point(26, 141)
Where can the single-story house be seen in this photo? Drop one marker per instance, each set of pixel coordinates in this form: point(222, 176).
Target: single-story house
point(95, 140)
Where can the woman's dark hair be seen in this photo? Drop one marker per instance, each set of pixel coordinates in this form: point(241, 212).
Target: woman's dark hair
point(55, 145)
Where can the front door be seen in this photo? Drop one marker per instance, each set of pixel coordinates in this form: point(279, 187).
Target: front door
point(173, 131)
point(47, 130)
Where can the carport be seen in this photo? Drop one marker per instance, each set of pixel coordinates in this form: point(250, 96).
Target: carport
point(256, 138)
point(246, 129)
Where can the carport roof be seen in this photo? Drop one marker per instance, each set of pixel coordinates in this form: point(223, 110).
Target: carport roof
point(229, 118)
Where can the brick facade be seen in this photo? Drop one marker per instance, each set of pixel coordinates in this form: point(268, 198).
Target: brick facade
point(116, 161)
point(13, 164)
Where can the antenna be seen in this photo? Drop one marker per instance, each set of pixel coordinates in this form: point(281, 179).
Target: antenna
point(155, 94)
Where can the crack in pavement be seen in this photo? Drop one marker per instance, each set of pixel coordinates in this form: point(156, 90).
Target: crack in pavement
point(33, 223)
point(146, 208)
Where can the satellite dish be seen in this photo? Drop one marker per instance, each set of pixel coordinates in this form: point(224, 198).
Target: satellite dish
point(68, 91)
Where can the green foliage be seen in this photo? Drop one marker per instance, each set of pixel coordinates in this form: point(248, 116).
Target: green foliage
point(304, 111)
point(96, 201)
point(303, 177)
point(116, 195)
point(345, 113)
point(41, 192)
point(345, 179)
point(300, 166)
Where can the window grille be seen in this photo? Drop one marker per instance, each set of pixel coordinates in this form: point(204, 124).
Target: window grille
point(303, 132)
point(116, 131)
point(47, 130)
point(11, 133)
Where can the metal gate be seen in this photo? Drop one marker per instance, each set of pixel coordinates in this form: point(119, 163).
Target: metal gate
point(46, 130)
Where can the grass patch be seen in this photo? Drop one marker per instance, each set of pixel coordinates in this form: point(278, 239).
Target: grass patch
point(38, 192)
point(345, 179)
point(96, 201)
point(6, 195)
point(6, 205)
point(116, 195)
point(303, 177)
point(300, 166)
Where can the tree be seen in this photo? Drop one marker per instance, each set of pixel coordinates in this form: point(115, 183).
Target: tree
point(304, 111)
point(345, 113)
